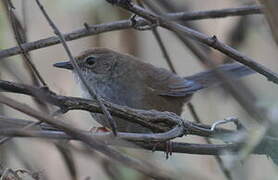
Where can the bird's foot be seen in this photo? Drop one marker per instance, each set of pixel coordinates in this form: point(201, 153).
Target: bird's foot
point(99, 130)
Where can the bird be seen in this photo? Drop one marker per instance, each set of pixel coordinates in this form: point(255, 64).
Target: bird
point(128, 81)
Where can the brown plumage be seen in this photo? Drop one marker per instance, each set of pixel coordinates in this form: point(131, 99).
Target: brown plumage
point(125, 80)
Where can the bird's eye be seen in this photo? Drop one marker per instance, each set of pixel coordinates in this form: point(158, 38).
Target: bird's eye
point(91, 60)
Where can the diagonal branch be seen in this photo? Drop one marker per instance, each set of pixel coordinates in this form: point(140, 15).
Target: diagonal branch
point(210, 41)
point(126, 24)
point(91, 90)
point(20, 37)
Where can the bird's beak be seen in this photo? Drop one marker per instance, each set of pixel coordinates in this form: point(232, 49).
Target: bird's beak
point(64, 65)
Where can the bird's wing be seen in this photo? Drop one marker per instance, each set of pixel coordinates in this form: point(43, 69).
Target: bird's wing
point(181, 88)
point(165, 83)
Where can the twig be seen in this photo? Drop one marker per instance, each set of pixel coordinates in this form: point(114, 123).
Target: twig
point(271, 15)
point(67, 156)
point(221, 164)
point(90, 89)
point(198, 15)
point(161, 46)
point(5, 139)
point(97, 29)
point(163, 50)
point(20, 38)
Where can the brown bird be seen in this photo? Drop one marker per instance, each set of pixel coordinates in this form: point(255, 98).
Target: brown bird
point(125, 80)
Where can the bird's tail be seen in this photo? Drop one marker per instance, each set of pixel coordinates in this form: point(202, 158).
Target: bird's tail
point(209, 78)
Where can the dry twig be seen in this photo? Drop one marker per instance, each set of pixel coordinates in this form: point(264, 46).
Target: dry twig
point(119, 25)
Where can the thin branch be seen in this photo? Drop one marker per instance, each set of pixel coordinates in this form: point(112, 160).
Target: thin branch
point(228, 12)
point(112, 26)
point(5, 139)
point(91, 90)
point(161, 46)
point(20, 38)
point(271, 15)
point(178, 147)
point(163, 50)
point(220, 162)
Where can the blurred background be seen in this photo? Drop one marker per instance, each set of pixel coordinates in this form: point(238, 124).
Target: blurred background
point(249, 34)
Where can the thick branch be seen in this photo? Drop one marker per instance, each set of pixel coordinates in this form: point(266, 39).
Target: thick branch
point(154, 120)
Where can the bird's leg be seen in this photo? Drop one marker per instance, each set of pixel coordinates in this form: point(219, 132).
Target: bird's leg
point(168, 147)
point(99, 129)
